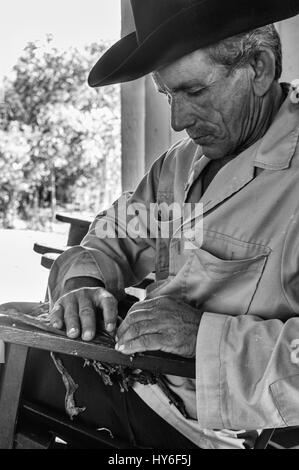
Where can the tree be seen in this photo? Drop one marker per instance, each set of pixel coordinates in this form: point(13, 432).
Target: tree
point(14, 156)
point(73, 131)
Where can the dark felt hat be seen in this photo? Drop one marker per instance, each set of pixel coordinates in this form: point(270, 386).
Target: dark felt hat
point(169, 29)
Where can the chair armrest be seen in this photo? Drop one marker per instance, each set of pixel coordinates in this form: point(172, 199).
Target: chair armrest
point(43, 249)
point(73, 220)
point(100, 349)
point(77, 231)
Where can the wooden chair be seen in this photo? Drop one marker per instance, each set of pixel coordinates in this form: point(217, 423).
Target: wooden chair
point(26, 425)
point(78, 228)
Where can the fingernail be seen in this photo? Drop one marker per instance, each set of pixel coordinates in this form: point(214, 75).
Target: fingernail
point(119, 347)
point(73, 332)
point(56, 325)
point(87, 336)
point(110, 327)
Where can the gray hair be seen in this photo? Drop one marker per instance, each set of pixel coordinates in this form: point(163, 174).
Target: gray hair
point(235, 52)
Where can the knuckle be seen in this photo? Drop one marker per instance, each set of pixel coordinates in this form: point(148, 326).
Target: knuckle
point(111, 301)
point(55, 316)
point(145, 341)
point(135, 329)
point(172, 334)
point(104, 293)
point(86, 312)
point(147, 325)
point(128, 320)
point(103, 296)
point(71, 313)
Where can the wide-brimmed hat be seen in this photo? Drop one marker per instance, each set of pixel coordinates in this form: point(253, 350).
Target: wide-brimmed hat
point(169, 29)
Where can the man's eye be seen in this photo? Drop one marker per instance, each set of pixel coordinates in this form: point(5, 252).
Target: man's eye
point(195, 92)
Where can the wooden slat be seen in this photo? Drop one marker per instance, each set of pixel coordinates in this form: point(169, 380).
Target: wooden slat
point(73, 220)
point(11, 380)
point(43, 249)
point(48, 259)
point(59, 425)
point(99, 349)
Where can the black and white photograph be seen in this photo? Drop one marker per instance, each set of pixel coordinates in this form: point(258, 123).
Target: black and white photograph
point(149, 227)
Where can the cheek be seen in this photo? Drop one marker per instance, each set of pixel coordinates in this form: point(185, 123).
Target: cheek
point(235, 118)
point(234, 104)
point(228, 113)
point(206, 112)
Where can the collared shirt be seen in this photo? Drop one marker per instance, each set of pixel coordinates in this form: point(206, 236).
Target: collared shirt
point(242, 270)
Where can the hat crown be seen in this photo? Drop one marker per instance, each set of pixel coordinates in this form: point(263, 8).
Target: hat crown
point(150, 14)
point(167, 30)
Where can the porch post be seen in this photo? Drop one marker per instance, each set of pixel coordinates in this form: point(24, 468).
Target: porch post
point(132, 117)
point(157, 123)
point(146, 130)
point(289, 32)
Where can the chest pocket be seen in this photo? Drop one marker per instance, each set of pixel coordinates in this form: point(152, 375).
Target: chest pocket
point(207, 277)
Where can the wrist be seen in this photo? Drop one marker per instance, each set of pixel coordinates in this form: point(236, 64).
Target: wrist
point(82, 281)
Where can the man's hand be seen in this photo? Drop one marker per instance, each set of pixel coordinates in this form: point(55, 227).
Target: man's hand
point(78, 307)
point(163, 323)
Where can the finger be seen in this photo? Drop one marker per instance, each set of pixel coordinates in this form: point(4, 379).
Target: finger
point(71, 318)
point(134, 317)
point(57, 316)
point(138, 329)
point(152, 342)
point(88, 318)
point(108, 303)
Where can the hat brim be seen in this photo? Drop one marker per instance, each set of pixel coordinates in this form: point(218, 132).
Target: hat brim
point(195, 27)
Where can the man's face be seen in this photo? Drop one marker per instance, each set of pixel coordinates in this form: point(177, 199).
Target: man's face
point(211, 105)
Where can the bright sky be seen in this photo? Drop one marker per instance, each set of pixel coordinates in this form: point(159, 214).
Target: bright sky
point(72, 22)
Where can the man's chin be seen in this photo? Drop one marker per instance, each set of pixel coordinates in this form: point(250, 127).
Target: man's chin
point(209, 149)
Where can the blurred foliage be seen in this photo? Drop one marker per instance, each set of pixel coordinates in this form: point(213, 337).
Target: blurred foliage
point(60, 142)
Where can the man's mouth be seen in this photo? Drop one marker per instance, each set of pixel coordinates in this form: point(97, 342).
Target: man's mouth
point(202, 139)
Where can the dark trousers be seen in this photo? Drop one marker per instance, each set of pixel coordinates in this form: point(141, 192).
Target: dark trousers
point(123, 413)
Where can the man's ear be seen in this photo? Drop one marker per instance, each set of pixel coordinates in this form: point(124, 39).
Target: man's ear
point(263, 65)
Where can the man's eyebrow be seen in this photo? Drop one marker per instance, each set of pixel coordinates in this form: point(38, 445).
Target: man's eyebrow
point(189, 84)
point(182, 86)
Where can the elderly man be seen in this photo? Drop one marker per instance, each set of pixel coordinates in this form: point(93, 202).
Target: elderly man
point(227, 294)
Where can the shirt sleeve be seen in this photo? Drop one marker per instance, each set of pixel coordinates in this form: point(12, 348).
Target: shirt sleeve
point(119, 248)
point(247, 368)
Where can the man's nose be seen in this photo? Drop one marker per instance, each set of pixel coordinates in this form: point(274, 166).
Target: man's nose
point(181, 115)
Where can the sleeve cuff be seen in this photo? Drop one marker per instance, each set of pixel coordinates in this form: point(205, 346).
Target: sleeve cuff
point(74, 262)
point(209, 371)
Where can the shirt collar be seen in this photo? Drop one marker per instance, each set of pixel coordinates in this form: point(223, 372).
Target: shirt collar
point(272, 152)
point(279, 144)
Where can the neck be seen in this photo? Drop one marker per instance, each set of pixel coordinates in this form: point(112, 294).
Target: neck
point(260, 115)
